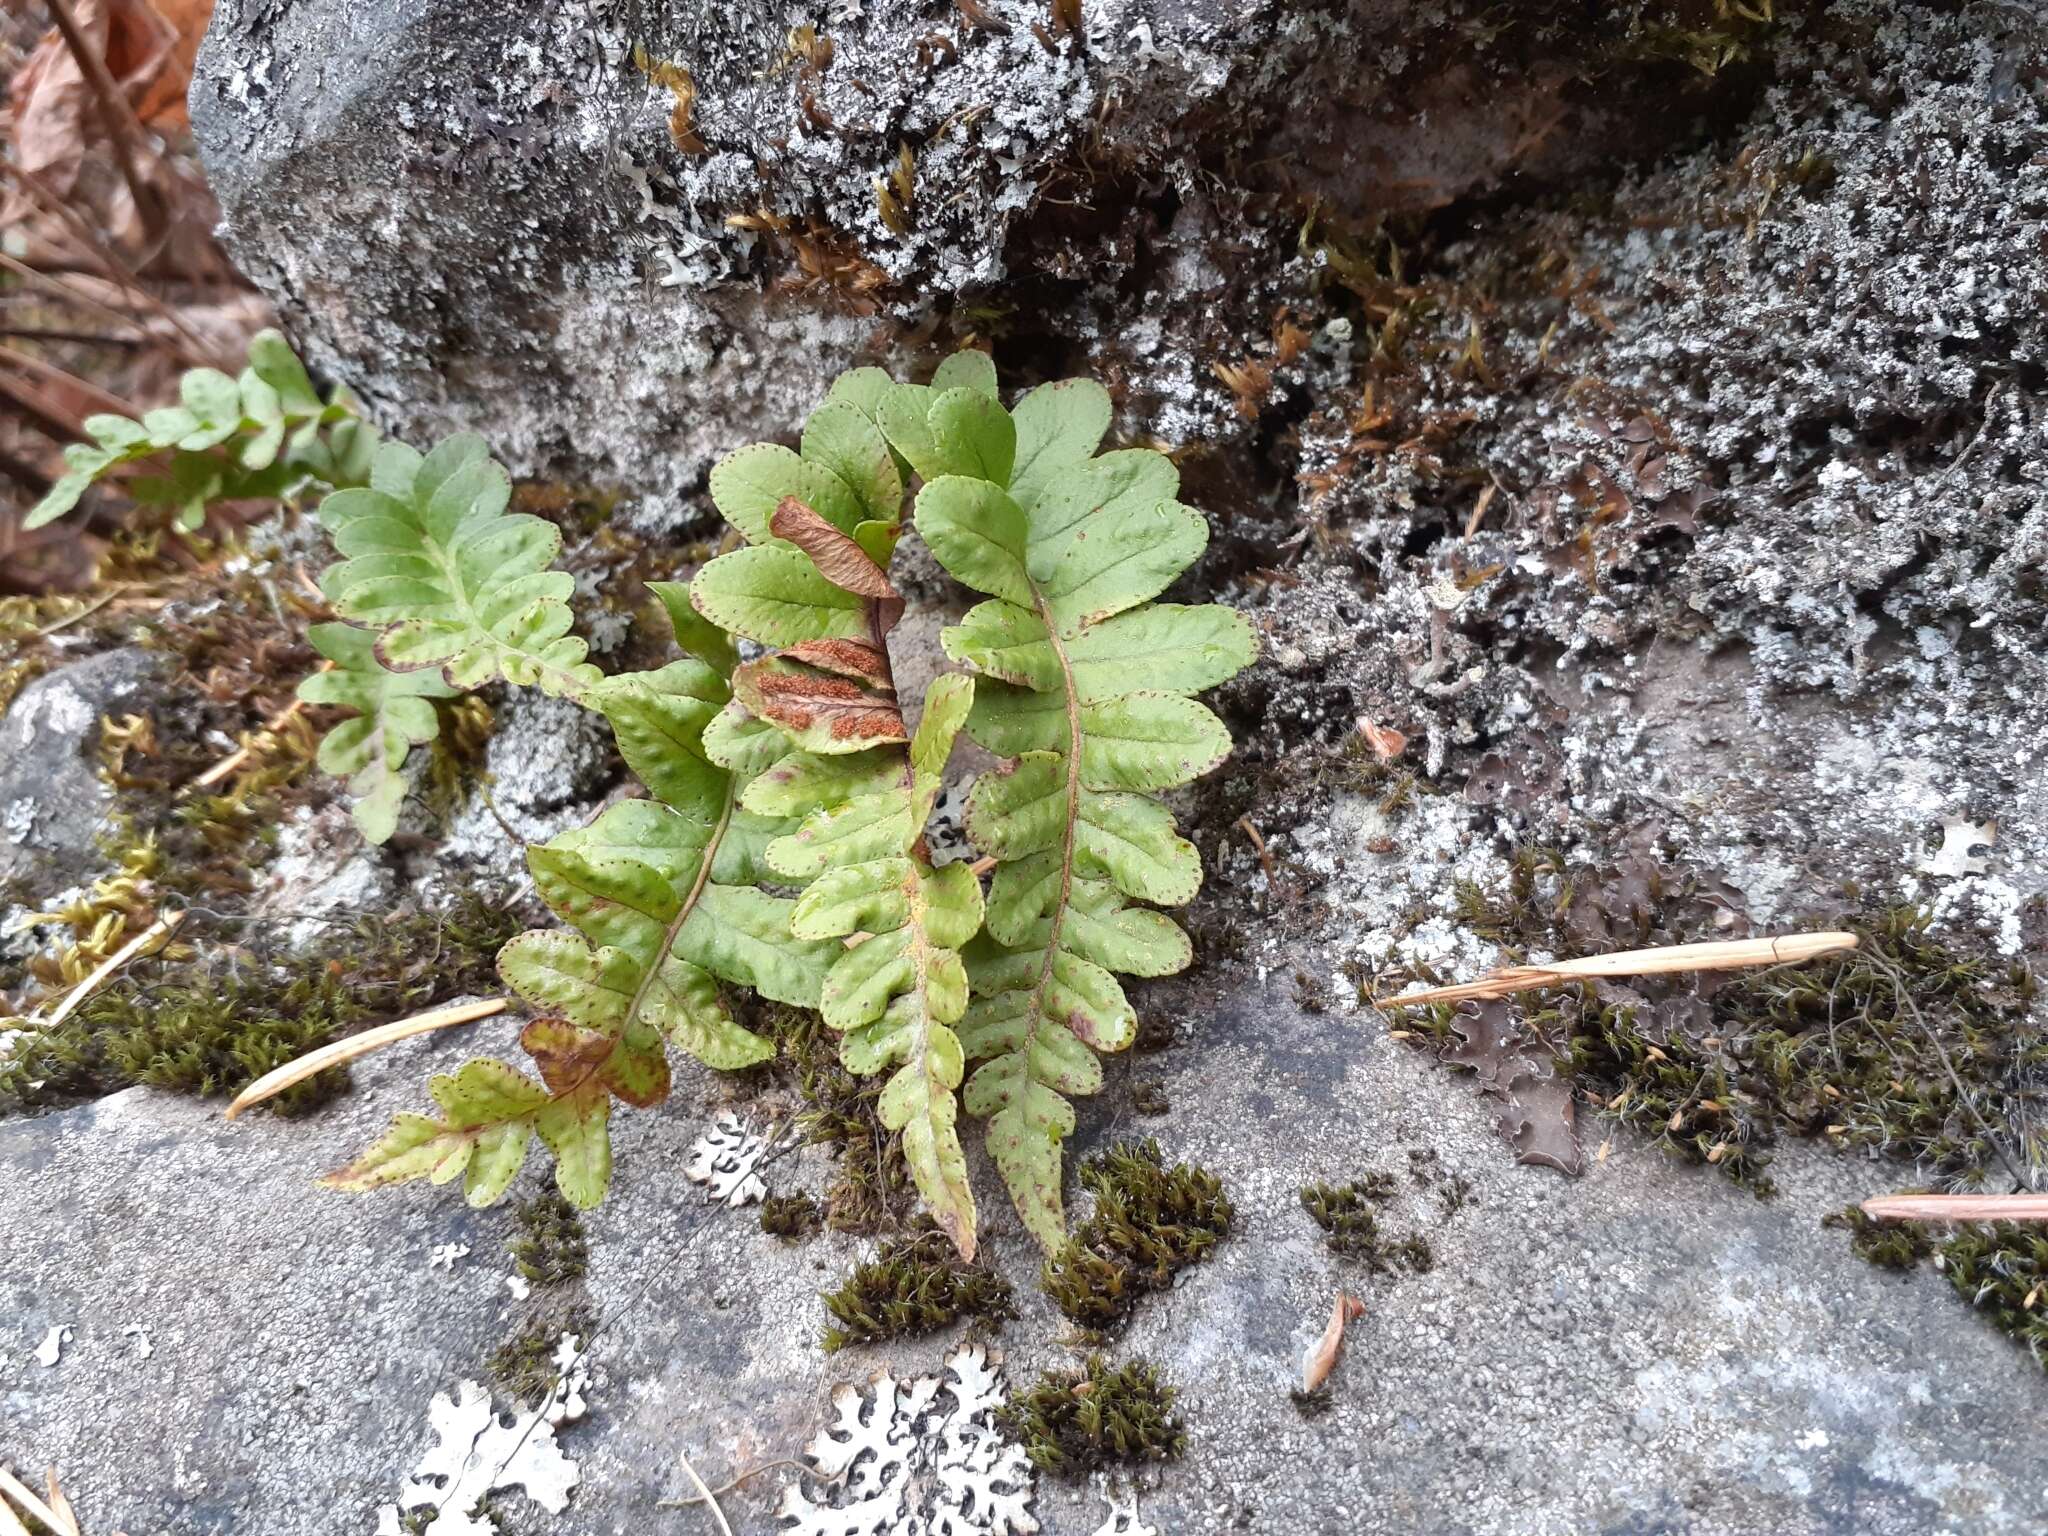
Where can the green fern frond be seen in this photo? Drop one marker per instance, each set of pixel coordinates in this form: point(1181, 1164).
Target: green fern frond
point(490, 1110)
point(1086, 693)
point(662, 891)
point(450, 578)
point(394, 713)
point(817, 734)
point(258, 436)
point(898, 992)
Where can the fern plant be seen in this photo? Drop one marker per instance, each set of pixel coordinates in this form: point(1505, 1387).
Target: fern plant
point(260, 436)
point(782, 844)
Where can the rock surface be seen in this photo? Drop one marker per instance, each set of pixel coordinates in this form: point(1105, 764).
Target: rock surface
point(1693, 506)
point(1576, 1360)
point(52, 800)
point(619, 277)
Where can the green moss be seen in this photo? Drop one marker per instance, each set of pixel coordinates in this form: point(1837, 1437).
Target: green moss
point(214, 1022)
point(1149, 1098)
point(1888, 1245)
point(1311, 993)
point(914, 1286)
point(1073, 1422)
point(1454, 1194)
point(1531, 912)
point(872, 1190)
point(1351, 1228)
point(552, 1247)
point(524, 1365)
point(1149, 1223)
point(791, 1217)
point(2002, 1270)
point(1903, 1046)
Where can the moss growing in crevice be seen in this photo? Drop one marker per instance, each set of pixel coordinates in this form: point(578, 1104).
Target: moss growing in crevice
point(1352, 1228)
point(914, 1286)
point(1888, 1245)
point(1903, 1046)
point(872, 1191)
point(1149, 1223)
point(1073, 1422)
point(552, 1247)
point(790, 1217)
point(524, 1365)
point(211, 1018)
point(2000, 1268)
point(2002, 1271)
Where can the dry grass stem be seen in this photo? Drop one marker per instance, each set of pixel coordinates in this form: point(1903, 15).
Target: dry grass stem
point(27, 1498)
point(1957, 1208)
point(159, 929)
point(1736, 954)
point(270, 1084)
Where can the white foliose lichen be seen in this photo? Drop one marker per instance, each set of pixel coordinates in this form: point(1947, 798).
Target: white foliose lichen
point(917, 1458)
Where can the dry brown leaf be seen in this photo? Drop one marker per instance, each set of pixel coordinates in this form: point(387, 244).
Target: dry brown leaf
point(58, 132)
point(1386, 742)
point(838, 558)
point(1321, 1359)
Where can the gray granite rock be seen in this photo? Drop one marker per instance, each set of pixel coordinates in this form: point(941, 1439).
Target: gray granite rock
point(484, 216)
point(51, 798)
point(1644, 1349)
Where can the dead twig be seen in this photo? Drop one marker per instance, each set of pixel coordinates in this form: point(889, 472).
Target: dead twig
point(271, 1084)
point(1731, 955)
point(37, 278)
point(123, 128)
point(1244, 825)
point(1957, 1208)
point(50, 376)
point(163, 927)
point(197, 353)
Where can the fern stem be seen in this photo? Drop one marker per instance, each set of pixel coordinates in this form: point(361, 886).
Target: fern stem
point(1059, 914)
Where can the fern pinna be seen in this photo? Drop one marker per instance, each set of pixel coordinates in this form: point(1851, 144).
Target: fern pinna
point(782, 844)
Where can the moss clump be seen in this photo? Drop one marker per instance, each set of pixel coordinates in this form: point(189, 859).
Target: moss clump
point(1149, 1098)
point(1532, 910)
point(872, 1191)
point(1888, 1245)
point(915, 1285)
point(1072, 1422)
point(1149, 1223)
point(1351, 1228)
point(1903, 1046)
point(791, 1217)
point(2002, 1270)
point(552, 1248)
point(524, 1365)
point(193, 1032)
point(214, 1021)
point(1454, 1194)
